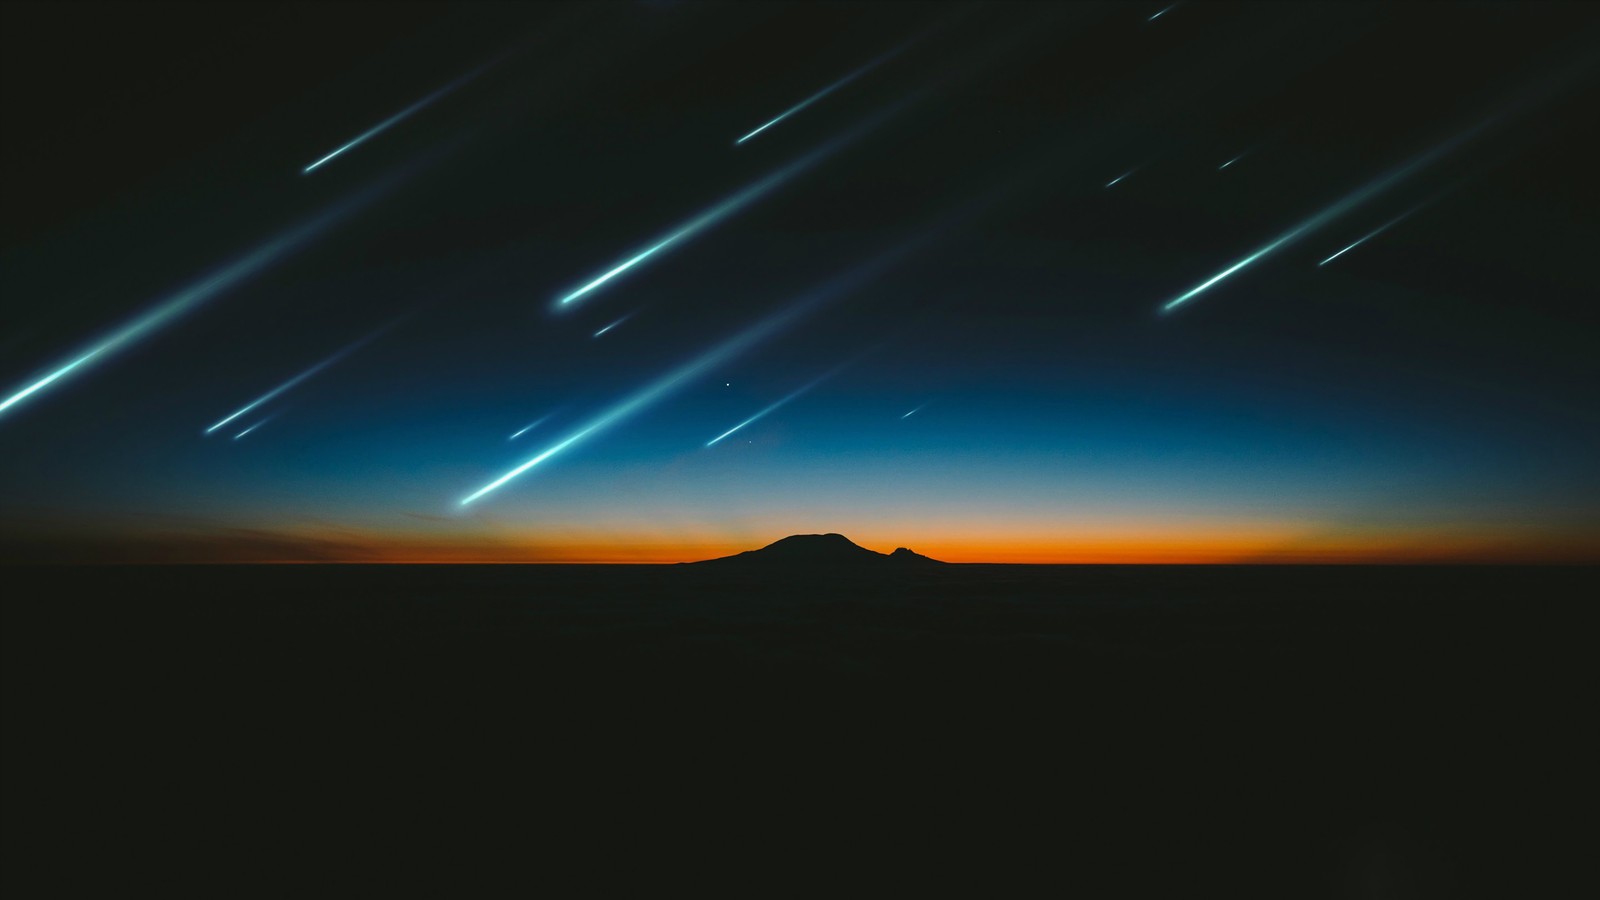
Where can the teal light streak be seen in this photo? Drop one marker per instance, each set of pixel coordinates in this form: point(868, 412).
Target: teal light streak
point(813, 98)
point(1350, 201)
point(800, 392)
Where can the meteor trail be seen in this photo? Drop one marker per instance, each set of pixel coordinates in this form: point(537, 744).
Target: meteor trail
point(720, 211)
point(778, 405)
point(252, 428)
point(191, 296)
point(913, 412)
point(1350, 201)
point(527, 428)
point(661, 388)
point(1370, 235)
point(715, 357)
point(1230, 162)
point(613, 324)
point(383, 126)
point(819, 95)
point(1119, 177)
point(297, 379)
point(1163, 12)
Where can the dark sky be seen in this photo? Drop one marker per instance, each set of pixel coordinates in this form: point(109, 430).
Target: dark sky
point(936, 235)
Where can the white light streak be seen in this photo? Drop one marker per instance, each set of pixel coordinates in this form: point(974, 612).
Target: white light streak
point(712, 359)
point(1350, 201)
point(717, 213)
point(527, 428)
point(269, 395)
point(383, 126)
point(818, 96)
point(613, 324)
point(773, 408)
point(1370, 235)
point(252, 428)
point(188, 298)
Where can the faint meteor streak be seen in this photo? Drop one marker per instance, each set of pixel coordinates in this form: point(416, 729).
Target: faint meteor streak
point(527, 428)
point(1350, 201)
point(914, 412)
point(264, 398)
point(252, 428)
point(715, 357)
point(1371, 234)
point(1230, 162)
point(191, 296)
point(1163, 11)
point(820, 94)
point(383, 126)
point(722, 210)
point(774, 407)
point(1120, 177)
point(613, 325)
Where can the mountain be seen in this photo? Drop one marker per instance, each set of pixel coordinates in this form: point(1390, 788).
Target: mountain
point(822, 550)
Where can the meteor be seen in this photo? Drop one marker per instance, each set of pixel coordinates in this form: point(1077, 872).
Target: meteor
point(1350, 201)
point(820, 94)
point(1120, 177)
point(613, 324)
point(914, 412)
point(1370, 235)
point(193, 295)
point(655, 392)
point(793, 396)
point(716, 357)
point(527, 428)
point(720, 211)
point(383, 126)
point(252, 428)
point(1230, 162)
point(297, 379)
point(1163, 12)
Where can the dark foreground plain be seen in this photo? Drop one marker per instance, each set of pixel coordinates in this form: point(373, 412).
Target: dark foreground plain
point(1086, 731)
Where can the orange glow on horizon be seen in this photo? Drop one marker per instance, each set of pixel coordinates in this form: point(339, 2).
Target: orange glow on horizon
point(1124, 543)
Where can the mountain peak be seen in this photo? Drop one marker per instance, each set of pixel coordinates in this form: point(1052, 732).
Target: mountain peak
point(829, 549)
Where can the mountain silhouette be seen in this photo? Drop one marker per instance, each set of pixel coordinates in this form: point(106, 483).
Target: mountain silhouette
point(824, 550)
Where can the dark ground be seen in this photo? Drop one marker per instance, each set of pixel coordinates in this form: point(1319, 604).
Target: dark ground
point(1092, 731)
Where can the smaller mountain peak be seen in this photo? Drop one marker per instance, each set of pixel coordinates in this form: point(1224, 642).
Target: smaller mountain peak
point(903, 555)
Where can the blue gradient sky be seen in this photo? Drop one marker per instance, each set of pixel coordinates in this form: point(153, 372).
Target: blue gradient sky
point(1429, 396)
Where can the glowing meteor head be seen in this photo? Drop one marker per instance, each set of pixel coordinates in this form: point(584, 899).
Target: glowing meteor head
point(717, 213)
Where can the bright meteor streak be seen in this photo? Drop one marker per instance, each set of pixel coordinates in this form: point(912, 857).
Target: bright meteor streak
point(1119, 178)
point(713, 358)
point(264, 398)
point(1350, 201)
point(720, 211)
point(193, 295)
point(655, 392)
point(1163, 12)
point(1370, 235)
point(774, 407)
point(817, 96)
point(1230, 162)
point(527, 428)
point(914, 411)
point(383, 126)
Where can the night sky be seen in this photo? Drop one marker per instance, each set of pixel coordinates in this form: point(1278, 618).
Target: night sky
point(989, 350)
